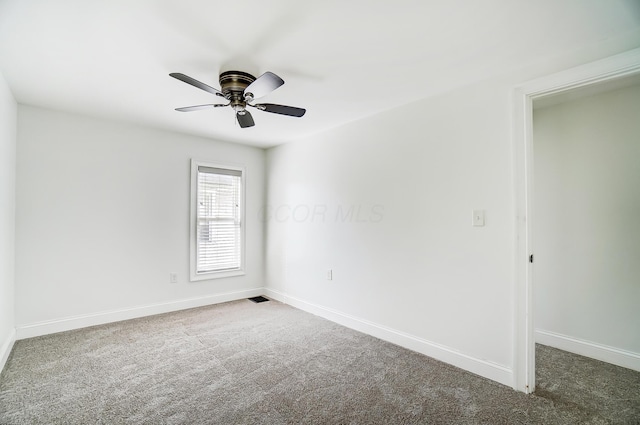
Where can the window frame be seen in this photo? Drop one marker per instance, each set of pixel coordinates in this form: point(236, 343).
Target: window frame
point(193, 223)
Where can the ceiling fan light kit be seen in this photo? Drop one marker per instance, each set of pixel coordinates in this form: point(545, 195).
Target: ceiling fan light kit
point(241, 89)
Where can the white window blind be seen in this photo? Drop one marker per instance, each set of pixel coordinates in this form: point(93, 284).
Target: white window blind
point(218, 220)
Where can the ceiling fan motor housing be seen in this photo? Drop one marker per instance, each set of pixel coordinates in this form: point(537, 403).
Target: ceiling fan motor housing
point(233, 84)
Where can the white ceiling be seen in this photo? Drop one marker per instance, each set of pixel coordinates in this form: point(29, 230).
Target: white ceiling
point(341, 60)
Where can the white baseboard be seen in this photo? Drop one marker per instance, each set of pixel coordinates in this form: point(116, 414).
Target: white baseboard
point(5, 348)
point(276, 295)
point(77, 322)
point(590, 349)
point(487, 369)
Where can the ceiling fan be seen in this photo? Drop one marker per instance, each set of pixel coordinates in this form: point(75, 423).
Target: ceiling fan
point(241, 89)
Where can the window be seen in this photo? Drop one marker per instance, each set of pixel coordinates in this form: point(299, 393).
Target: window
point(217, 221)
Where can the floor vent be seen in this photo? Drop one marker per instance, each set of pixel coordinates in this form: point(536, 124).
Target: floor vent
point(259, 299)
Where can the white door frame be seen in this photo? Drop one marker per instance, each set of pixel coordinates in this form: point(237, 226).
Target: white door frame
point(613, 67)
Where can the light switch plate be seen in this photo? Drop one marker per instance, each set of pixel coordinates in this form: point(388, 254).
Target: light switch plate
point(478, 218)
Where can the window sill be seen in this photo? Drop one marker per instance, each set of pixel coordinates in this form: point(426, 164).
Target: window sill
point(216, 275)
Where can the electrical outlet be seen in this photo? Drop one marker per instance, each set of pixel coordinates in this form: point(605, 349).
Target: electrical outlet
point(173, 277)
point(330, 275)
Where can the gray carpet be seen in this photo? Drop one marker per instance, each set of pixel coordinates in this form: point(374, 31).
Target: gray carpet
point(268, 363)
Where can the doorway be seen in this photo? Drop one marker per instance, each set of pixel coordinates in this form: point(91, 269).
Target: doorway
point(586, 177)
point(593, 76)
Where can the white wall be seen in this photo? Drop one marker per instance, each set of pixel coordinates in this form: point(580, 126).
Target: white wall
point(8, 117)
point(103, 218)
point(419, 274)
point(587, 233)
point(410, 267)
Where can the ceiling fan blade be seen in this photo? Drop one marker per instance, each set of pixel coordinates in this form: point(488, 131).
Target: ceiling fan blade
point(245, 119)
point(291, 111)
point(196, 83)
point(200, 107)
point(263, 85)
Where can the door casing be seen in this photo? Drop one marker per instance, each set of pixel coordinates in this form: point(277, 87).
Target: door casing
point(608, 69)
